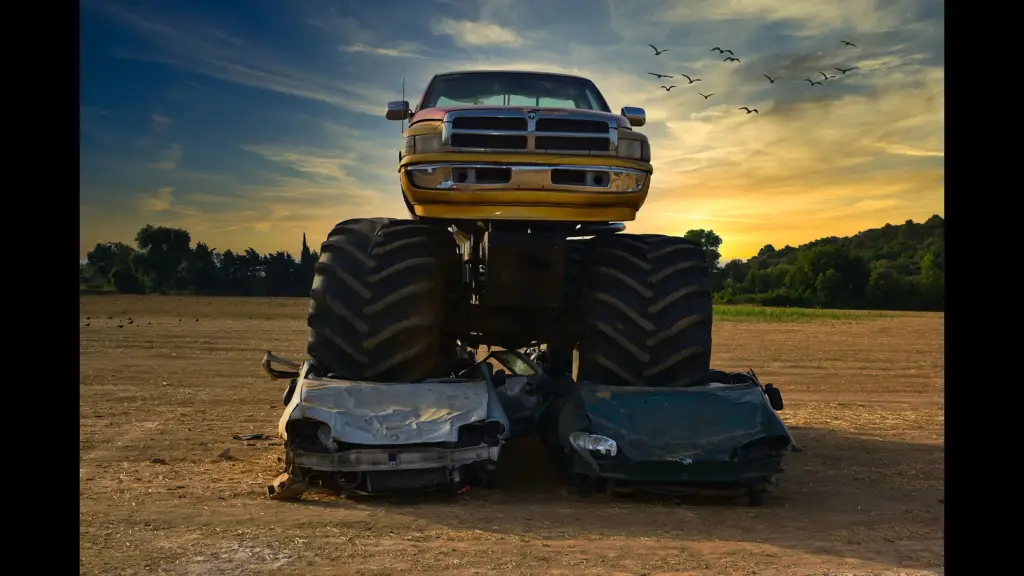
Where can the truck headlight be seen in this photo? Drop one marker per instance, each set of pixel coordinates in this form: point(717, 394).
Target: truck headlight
point(634, 149)
point(423, 144)
point(595, 443)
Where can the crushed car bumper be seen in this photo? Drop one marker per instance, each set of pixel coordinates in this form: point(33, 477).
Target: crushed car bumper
point(390, 459)
point(665, 473)
point(383, 470)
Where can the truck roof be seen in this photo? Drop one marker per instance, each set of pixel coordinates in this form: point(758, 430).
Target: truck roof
point(512, 72)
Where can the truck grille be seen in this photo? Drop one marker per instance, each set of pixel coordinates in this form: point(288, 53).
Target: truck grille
point(571, 125)
point(489, 141)
point(515, 131)
point(490, 123)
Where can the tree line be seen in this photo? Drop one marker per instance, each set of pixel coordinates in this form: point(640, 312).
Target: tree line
point(896, 267)
point(163, 260)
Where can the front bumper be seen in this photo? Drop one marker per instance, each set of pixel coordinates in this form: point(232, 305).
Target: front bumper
point(385, 470)
point(525, 186)
point(388, 459)
point(477, 177)
point(665, 473)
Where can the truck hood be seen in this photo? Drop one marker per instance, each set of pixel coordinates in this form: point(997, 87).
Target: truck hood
point(438, 113)
point(389, 414)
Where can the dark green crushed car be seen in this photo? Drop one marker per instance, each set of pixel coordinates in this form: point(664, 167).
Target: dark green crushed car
point(720, 435)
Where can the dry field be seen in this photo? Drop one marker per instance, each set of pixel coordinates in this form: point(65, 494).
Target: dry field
point(162, 397)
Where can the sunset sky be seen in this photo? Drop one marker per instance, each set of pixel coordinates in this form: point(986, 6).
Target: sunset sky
point(249, 123)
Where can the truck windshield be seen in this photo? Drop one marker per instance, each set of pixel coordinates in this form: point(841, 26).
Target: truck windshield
point(513, 89)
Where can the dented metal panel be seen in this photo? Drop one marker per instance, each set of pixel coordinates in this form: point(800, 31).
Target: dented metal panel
point(699, 423)
point(371, 413)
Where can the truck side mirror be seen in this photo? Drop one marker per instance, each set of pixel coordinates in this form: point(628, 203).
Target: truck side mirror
point(398, 110)
point(636, 116)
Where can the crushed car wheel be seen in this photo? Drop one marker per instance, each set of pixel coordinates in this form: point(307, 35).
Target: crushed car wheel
point(380, 301)
point(646, 311)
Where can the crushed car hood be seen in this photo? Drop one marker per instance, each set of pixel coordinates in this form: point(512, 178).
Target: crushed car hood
point(388, 414)
point(681, 424)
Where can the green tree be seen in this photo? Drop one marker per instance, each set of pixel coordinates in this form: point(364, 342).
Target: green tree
point(124, 280)
point(933, 281)
point(886, 288)
point(161, 255)
point(710, 241)
point(201, 271)
point(108, 255)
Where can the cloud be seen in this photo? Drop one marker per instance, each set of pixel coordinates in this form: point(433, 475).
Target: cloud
point(467, 33)
point(905, 150)
point(395, 52)
point(159, 201)
point(169, 157)
point(202, 49)
point(736, 20)
point(327, 165)
point(161, 124)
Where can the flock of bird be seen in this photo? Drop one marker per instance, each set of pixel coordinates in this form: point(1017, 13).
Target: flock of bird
point(732, 58)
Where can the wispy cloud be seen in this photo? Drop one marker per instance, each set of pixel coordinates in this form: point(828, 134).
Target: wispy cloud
point(380, 51)
point(202, 49)
point(169, 157)
point(160, 200)
point(905, 150)
point(467, 33)
point(161, 124)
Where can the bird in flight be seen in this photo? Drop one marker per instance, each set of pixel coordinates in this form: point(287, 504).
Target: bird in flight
point(848, 43)
point(749, 110)
point(669, 88)
point(731, 59)
point(770, 79)
point(845, 70)
point(656, 51)
point(827, 77)
point(716, 48)
point(813, 83)
point(706, 96)
point(659, 75)
point(692, 80)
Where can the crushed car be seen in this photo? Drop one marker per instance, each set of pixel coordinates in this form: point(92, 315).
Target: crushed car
point(353, 437)
point(721, 435)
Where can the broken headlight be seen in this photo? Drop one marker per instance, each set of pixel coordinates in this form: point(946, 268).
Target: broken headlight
point(595, 443)
point(423, 144)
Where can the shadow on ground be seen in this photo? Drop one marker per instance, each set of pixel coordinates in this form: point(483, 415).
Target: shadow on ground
point(845, 495)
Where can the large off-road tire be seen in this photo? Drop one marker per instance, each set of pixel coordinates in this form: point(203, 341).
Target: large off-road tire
point(646, 311)
point(382, 296)
point(560, 350)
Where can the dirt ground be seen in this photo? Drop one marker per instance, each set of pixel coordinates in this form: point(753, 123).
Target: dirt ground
point(162, 397)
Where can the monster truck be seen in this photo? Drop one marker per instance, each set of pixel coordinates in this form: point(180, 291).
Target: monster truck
point(517, 185)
